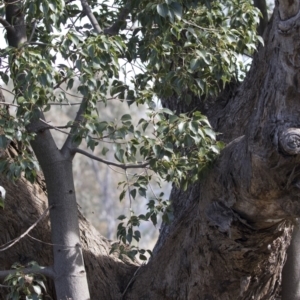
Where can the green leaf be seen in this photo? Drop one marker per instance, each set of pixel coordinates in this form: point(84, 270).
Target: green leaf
point(210, 133)
point(167, 111)
point(3, 142)
point(104, 150)
point(177, 9)
point(162, 9)
point(133, 193)
point(70, 84)
point(122, 195)
point(37, 289)
point(143, 257)
point(125, 118)
point(142, 192)
point(194, 64)
point(4, 77)
point(154, 219)
point(119, 155)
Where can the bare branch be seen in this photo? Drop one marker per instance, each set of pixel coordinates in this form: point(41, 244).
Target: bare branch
point(68, 145)
point(47, 271)
point(110, 163)
point(132, 278)
point(6, 90)
point(115, 28)
point(33, 30)
point(6, 24)
point(120, 22)
point(16, 240)
point(87, 10)
point(9, 104)
point(58, 128)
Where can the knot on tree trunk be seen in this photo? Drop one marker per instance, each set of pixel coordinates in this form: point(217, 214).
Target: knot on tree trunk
point(289, 141)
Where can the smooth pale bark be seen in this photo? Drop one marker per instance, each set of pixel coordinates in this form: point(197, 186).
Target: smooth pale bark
point(107, 275)
point(70, 278)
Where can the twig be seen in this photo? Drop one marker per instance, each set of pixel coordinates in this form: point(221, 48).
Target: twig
point(129, 283)
point(5, 286)
point(68, 145)
point(6, 90)
point(58, 128)
point(47, 271)
point(5, 24)
point(16, 240)
point(151, 186)
point(33, 31)
point(124, 173)
point(49, 244)
point(87, 10)
point(107, 162)
point(115, 28)
point(9, 104)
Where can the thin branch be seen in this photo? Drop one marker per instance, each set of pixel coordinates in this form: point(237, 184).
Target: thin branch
point(121, 20)
point(47, 271)
point(16, 240)
point(6, 24)
point(124, 172)
point(151, 186)
point(78, 103)
point(2, 88)
point(130, 281)
point(72, 95)
point(9, 104)
point(58, 128)
point(38, 44)
point(68, 145)
point(49, 244)
point(129, 194)
point(67, 104)
point(107, 162)
point(87, 10)
point(33, 30)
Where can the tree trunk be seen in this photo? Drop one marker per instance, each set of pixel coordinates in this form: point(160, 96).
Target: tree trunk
point(232, 229)
point(107, 275)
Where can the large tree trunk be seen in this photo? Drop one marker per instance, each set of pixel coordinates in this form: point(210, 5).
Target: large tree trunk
point(231, 230)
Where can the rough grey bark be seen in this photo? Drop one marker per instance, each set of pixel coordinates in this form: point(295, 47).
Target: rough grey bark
point(232, 229)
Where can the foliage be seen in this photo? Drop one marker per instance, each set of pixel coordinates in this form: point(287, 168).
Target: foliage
point(30, 286)
point(164, 49)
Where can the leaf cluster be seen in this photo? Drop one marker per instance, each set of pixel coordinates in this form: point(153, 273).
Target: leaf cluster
point(26, 286)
